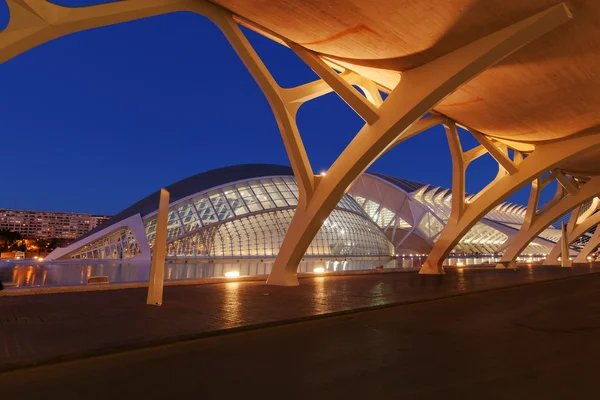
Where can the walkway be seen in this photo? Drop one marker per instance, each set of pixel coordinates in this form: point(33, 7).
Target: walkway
point(529, 342)
point(48, 328)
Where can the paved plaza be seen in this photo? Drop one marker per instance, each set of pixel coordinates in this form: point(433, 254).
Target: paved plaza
point(41, 329)
point(528, 342)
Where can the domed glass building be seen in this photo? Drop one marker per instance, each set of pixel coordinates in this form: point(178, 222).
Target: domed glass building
point(237, 212)
point(244, 211)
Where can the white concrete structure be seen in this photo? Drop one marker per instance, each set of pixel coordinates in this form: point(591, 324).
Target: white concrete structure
point(244, 211)
point(413, 214)
point(238, 212)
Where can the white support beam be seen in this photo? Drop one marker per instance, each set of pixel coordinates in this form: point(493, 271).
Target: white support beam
point(576, 228)
point(458, 173)
point(566, 256)
point(418, 127)
point(568, 184)
point(362, 106)
point(547, 216)
point(590, 246)
point(500, 156)
point(474, 154)
point(418, 92)
point(312, 90)
point(159, 252)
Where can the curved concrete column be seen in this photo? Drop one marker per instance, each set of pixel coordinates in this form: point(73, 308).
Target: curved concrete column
point(588, 248)
point(419, 90)
point(398, 118)
point(545, 157)
point(546, 216)
point(573, 234)
point(34, 22)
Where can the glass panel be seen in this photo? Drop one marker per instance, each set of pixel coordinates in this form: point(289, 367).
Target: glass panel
point(402, 223)
point(124, 247)
point(188, 216)
point(344, 233)
point(235, 201)
point(385, 217)
point(360, 200)
point(268, 185)
point(174, 227)
point(371, 208)
point(221, 207)
point(205, 210)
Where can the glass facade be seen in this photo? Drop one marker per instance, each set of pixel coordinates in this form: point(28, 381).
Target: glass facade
point(480, 239)
point(344, 233)
point(251, 218)
point(430, 226)
point(117, 245)
point(382, 216)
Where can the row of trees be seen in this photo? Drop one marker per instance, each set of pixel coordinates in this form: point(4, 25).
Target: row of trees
point(13, 241)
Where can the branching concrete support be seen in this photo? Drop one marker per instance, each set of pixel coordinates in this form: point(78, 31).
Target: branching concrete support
point(547, 215)
point(420, 89)
point(33, 22)
point(387, 123)
point(544, 158)
point(590, 246)
point(579, 224)
point(537, 185)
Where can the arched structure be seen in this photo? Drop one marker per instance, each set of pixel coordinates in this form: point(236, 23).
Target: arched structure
point(435, 68)
point(583, 219)
point(241, 213)
point(237, 212)
point(413, 214)
point(537, 220)
point(592, 244)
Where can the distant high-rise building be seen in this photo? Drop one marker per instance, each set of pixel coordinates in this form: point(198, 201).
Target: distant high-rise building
point(48, 224)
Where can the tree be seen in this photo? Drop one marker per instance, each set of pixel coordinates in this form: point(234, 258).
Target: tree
point(8, 239)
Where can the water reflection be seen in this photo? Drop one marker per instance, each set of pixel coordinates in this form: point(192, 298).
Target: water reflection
point(31, 274)
point(74, 274)
point(460, 280)
point(320, 296)
point(231, 307)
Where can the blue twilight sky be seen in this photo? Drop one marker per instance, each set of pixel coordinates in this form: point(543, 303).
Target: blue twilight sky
point(96, 120)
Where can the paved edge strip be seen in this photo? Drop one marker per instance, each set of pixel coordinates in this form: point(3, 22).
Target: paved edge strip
point(155, 343)
point(32, 291)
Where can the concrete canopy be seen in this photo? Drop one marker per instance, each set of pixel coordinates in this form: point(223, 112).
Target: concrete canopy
point(545, 91)
point(519, 76)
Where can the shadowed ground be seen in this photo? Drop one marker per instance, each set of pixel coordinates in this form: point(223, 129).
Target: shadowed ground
point(48, 328)
point(534, 341)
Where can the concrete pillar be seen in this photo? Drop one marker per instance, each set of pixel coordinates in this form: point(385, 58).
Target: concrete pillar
point(157, 270)
point(566, 257)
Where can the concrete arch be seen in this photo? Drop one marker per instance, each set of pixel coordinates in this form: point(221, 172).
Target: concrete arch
point(592, 244)
point(545, 157)
point(386, 123)
point(573, 234)
point(419, 90)
point(546, 216)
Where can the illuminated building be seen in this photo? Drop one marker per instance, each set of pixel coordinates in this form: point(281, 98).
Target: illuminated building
point(48, 224)
point(244, 211)
point(236, 212)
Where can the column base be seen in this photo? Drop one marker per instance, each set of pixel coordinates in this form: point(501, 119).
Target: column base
point(506, 265)
point(432, 268)
point(283, 279)
point(582, 260)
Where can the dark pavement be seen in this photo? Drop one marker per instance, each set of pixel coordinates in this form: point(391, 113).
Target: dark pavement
point(529, 342)
point(48, 328)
